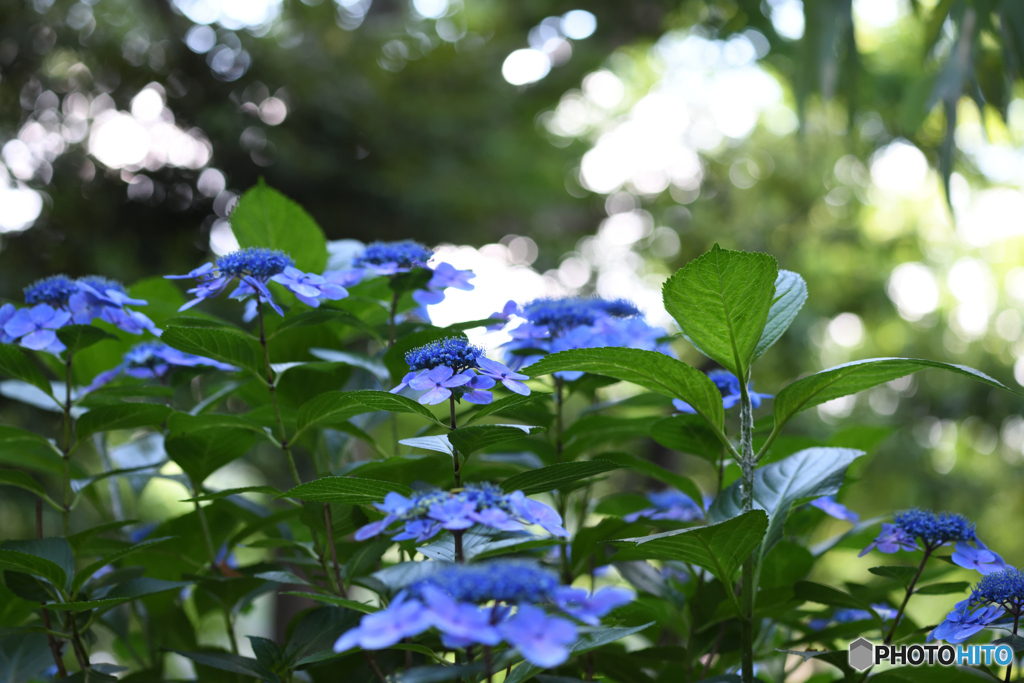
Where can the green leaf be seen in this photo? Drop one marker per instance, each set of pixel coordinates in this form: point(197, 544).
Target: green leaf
point(438, 443)
point(903, 574)
point(504, 406)
point(26, 563)
point(720, 548)
point(79, 337)
point(225, 345)
point(336, 407)
point(14, 363)
point(217, 495)
point(857, 376)
point(345, 490)
point(554, 476)
point(721, 302)
point(946, 588)
point(684, 484)
point(790, 295)
point(687, 434)
point(356, 360)
point(24, 657)
point(264, 217)
point(28, 450)
point(202, 444)
point(652, 370)
point(324, 316)
point(86, 573)
point(811, 591)
point(471, 439)
point(332, 600)
point(22, 480)
point(121, 416)
point(120, 594)
point(247, 666)
point(808, 473)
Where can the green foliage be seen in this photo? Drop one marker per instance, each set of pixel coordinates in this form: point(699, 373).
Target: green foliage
point(264, 217)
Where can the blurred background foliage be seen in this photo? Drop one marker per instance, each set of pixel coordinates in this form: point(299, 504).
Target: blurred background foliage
point(874, 146)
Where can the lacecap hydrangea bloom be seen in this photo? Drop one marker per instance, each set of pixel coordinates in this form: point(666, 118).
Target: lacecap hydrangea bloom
point(254, 268)
point(58, 300)
point(933, 530)
point(997, 595)
point(729, 385)
point(516, 602)
point(424, 514)
point(154, 360)
point(453, 365)
point(393, 258)
point(670, 505)
point(551, 325)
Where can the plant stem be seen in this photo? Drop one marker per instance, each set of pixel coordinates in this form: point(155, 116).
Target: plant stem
point(271, 386)
point(558, 417)
point(455, 453)
point(212, 555)
point(76, 642)
point(747, 464)
point(906, 598)
point(459, 557)
point(66, 450)
point(488, 663)
point(334, 551)
point(391, 320)
point(54, 645)
point(1009, 668)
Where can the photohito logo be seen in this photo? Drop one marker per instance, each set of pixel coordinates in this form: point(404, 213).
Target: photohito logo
point(863, 654)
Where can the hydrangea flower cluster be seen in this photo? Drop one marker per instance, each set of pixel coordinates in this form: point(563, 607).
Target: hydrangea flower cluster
point(486, 604)
point(154, 360)
point(453, 364)
point(668, 505)
point(58, 300)
point(425, 514)
point(933, 529)
point(254, 268)
point(552, 325)
point(998, 594)
point(729, 385)
point(392, 258)
point(844, 616)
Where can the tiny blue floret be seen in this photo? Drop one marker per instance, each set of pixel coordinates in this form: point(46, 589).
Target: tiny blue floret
point(454, 352)
point(255, 261)
point(54, 290)
point(935, 529)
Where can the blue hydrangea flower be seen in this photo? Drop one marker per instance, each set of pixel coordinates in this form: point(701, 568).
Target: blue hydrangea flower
point(668, 505)
point(892, 539)
point(254, 268)
point(996, 595)
point(830, 507)
point(154, 360)
point(486, 604)
point(55, 291)
point(36, 327)
point(964, 621)
point(7, 312)
point(451, 365)
point(729, 385)
point(977, 557)
point(425, 514)
point(390, 258)
point(935, 529)
point(445, 275)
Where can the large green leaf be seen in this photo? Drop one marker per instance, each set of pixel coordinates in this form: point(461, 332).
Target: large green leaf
point(86, 573)
point(121, 416)
point(721, 302)
point(120, 594)
point(720, 548)
point(264, 217)
point(687, 434)
point(809, 473)
point(23, 480)
point(79, 337)
point(48, 558)
point(554, 476)
point(345, 490)
point(652, 370)
point(336, 407)
point(471, 439)
point(202, 444)
point(24, 657)
point(857, 376)
point(14, 363)
point(503, 406)
point(790, 295)
point(223, 344)
point(12, 560)
point(29, 451)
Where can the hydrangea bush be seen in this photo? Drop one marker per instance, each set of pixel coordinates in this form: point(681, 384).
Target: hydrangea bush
point(428, 509)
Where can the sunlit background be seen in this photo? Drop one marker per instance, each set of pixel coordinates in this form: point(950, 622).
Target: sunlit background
point(567, 147)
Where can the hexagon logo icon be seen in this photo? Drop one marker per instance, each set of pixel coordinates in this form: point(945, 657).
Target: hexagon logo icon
point(862, 654)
